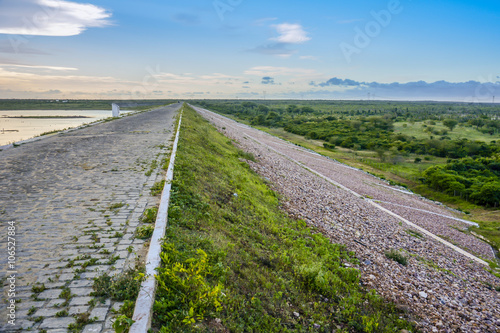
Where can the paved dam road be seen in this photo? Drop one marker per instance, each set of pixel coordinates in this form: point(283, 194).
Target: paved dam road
point(75, 197)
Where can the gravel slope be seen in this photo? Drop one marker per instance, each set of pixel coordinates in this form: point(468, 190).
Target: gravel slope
point(441, 289)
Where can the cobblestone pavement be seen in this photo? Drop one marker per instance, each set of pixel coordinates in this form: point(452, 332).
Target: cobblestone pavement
point(75, 200)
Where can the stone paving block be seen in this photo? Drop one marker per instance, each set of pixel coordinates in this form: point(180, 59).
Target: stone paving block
point(108, 324)
point(55, 303)
point(75, 301)
point(81, 283)
point(100, 313)
point(28, 305)
point(89, 275)
point(61, 323)
point(50, 294)
point(46, 312)
point(116, 306)
point(78, 309)
point(66, 277)
point(57, 330)
point(54, 285)
point(80, 291)
point(99, 269)
point(92, 328)
point(57, 265)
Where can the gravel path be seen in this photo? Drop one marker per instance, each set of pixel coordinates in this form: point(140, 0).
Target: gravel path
point(60, 193)
point(440, 288)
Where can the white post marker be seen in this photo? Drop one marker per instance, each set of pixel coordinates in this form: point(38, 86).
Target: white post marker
point(144, 305)
point(115, 110)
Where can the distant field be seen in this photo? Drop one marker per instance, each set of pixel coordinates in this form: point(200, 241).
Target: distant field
point(460, 132)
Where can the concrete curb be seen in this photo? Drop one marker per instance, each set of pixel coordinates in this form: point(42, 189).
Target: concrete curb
point(144, 305)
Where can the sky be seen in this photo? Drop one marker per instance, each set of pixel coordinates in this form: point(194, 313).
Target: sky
point(444, 50)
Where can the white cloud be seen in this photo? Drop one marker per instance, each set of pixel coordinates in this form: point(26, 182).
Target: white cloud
point(52, 68)
point(309, 57)
point(290, 34)
point(49, 17)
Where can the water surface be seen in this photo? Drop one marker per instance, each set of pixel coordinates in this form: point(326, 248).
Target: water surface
point(17, 129)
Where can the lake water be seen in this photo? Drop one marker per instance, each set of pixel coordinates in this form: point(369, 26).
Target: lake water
point(17, 129)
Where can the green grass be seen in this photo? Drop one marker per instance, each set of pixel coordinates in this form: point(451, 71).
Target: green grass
point(233, 261)
point(417, 130)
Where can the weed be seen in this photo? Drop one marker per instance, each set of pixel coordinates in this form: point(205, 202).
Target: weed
point(149, 215)
point(116, 206)
point(31, 311)
point(157, 188)
point(112, 260)
point(62, 313)
point(415, 233)
point(145, 231)
point(122, 324)
point(82, 319)
point(397, 256)
point(122, 287)
point(38, 319)
point(38, 288)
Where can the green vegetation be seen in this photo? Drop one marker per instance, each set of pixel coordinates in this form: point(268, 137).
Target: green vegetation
point(447, 152)
point(397, 257)
point(119, 288)
point(149, 215)
point(233, 261)
point(43, 104)
point(144, 231)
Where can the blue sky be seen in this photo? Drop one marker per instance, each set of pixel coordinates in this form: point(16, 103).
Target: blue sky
point(391, 49)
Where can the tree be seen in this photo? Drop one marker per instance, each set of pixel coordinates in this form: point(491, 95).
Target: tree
point(450, 123)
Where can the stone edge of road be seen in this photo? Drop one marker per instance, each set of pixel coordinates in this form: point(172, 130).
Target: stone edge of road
point(143, 310)
point(69, 130)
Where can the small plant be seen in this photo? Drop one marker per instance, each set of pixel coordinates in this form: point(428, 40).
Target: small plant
point(38, 288)
point(112, 260)
point(31, 311)
point(118, 235)
point(149, 215)
point(415, 234)
point(82, 319)
point(397, 256)
point(119, 288)
point(157, 188)
point(145, 231)
point(122, 324)
point(105, 251)
point(38, 319)
point(116, 206)
point(62, 313)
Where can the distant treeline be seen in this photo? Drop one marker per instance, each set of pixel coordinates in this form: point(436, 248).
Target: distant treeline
point(73, 104)
point(473, 168)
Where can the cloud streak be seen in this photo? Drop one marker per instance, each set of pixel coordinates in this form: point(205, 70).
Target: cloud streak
point(290, 34)
point(49, 17)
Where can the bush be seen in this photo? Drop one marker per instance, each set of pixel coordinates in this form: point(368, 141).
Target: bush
point(397, 256)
